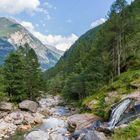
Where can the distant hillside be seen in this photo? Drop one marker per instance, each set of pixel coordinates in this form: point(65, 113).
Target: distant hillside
point(12, 35)
point(99, 55)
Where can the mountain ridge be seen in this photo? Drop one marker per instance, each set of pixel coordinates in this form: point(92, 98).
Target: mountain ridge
point(15, 34)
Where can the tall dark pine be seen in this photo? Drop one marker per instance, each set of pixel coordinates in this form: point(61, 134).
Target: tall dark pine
point(15, 77)
point(33, 74)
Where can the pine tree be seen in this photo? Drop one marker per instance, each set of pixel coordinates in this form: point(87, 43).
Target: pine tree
point(33, 74)
point(15, 77)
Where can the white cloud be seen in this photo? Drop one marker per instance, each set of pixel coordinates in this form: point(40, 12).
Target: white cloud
point(97, 22)
point(28, 25)
point(17, 6)
point(58, 41)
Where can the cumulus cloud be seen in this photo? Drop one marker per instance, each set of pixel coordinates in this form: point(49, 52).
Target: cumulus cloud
point(60, 42)
point(97, 22)
point(28, 25)
point(17, 6)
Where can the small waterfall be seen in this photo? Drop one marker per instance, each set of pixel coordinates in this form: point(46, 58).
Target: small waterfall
point(117, 112)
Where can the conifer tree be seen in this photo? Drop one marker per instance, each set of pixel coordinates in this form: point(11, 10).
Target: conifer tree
point(15, 77)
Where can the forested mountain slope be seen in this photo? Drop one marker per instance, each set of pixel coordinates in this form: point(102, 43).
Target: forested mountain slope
point(99, 55)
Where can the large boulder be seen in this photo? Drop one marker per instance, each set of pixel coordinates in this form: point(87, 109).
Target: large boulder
point(28, 105)
point(135, 95)
point(37, 135)
point(90, 135)
point(80, 121)
point(6, 106)
point(56, 136)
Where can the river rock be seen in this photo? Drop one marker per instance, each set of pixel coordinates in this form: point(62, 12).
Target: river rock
point(6, 128)
point(6, 106)
point(56, 136)
point(138, 138)
point(81, 121)
point(24, 127)
point(37, 135)
point(45, 111)
point(28, 105)
point(17, 117)
point(28, 118)
point(3, 114)
point(51, 101)
point(92, 135)
point(38, 118)
point(134, 95)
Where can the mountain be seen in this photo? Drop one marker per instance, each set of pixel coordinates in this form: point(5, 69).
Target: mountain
point(12, 35)
point(99, 56)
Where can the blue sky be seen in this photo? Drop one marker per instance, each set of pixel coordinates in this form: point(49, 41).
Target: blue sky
point(57, 22)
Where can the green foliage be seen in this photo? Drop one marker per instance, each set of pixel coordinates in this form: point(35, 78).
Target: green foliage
point(22, 75)
point(101, 54)
point(55, 85)
point(129, 133)
point(3, 95)
point(33, 74)
point(122, 85)
point(14, 77)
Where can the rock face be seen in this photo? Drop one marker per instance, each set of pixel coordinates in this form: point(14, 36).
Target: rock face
point(81, 121)
point(6, 106)
point(28, 105)
point(92, 135)
point(37, 135)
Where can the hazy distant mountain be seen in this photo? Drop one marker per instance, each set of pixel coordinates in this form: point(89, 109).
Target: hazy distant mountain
point(12, 35)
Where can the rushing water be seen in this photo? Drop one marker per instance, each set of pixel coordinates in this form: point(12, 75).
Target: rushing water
point(55, 122)
point(117, 112)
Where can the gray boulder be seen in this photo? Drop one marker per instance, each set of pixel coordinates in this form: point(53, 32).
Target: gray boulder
point(37, 135)
point(80, 121)
point(56, 136)
point(92, 135)
point(6, 106)
point(28, 105)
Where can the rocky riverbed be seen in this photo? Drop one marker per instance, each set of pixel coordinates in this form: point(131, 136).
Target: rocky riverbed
point(49, 119)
